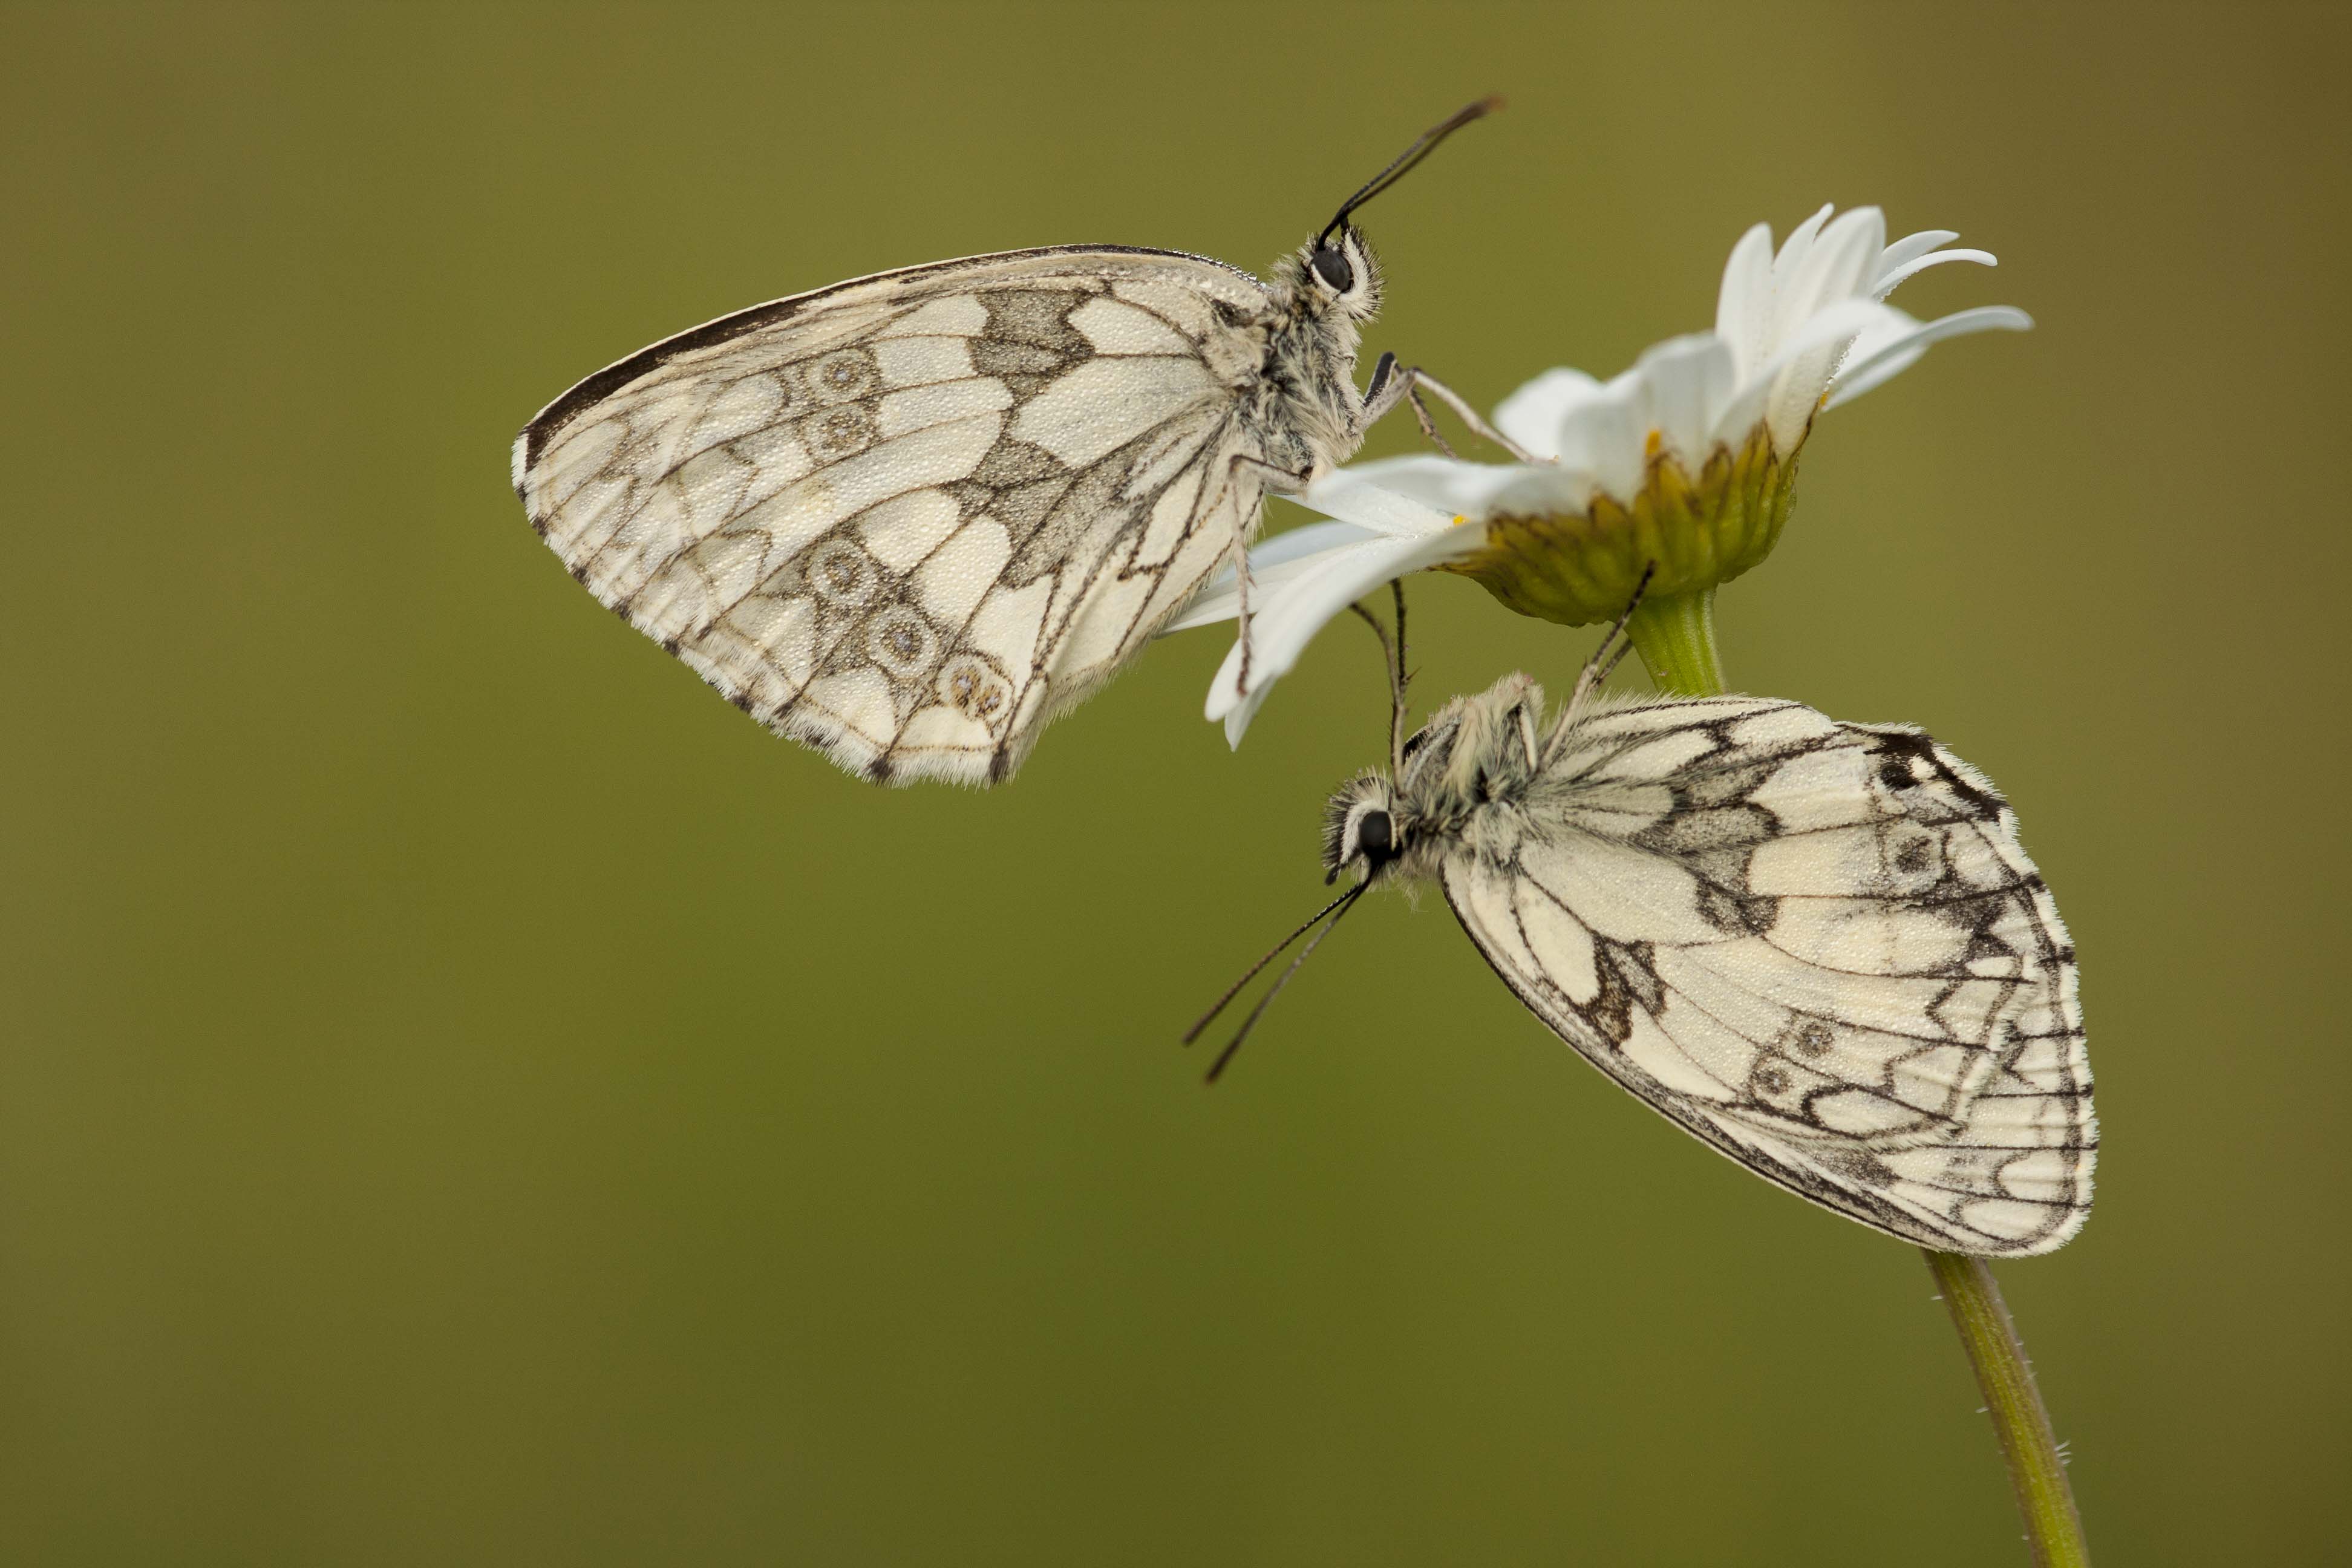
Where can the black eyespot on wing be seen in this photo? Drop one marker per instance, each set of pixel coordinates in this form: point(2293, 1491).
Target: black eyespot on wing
point(1333, 267)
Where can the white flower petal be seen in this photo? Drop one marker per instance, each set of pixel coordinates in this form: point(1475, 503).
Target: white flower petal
point(1913, 245)
point(1691, 379)
point(1450, 485)
point(1359, 497)
point(1744, 308)
point(1237, 722)
point(1797, 392)
point(1833, 268)
point(1224, 691)
point(1813, 357)
point(1533, 415)
point(1891, 325)
point(1798, 245)
point(1280, 633)
point(1886, 361)
point(1308, 539)
point(1748, 405)
point(1482, 489)
point(1809, 282)
point(1889, 281)
point(1604, 437)
point(1535, 491)
point(1278, 561)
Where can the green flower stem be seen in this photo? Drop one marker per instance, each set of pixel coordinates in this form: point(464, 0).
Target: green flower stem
point(2053, 1527)
point(1674, 634)
point(1675, 638)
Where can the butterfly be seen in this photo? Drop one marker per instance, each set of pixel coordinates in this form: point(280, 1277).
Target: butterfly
point(1818, 947)
point(912, 518)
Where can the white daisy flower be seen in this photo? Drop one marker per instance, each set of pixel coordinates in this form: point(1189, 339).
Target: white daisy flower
point(1685, 463)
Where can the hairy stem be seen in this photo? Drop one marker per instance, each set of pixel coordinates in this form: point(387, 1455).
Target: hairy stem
point(1675, 638)
point(2053, 1527)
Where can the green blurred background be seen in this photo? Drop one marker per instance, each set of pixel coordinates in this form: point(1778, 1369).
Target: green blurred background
point(470, 1096)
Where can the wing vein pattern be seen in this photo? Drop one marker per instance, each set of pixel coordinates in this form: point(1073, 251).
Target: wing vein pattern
point(911, 519)
point(1819, 947)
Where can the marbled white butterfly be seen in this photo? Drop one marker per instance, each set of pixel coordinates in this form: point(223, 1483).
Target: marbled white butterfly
point(910, 518)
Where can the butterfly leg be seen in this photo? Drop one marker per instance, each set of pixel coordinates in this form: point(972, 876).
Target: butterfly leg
point(1601, 665)
point(1423, 381)
point(1270, 475)
point(1392, 666)
point(1392, 386)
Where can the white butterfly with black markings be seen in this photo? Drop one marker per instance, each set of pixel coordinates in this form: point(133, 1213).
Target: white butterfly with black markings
point(910, 518)
point(1818, 947)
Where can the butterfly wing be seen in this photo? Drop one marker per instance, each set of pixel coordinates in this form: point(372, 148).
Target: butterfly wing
point(1817, 946)
point(910, 518)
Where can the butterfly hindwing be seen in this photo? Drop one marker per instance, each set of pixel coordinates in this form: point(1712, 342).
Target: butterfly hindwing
point(909, 519)
point(1819, 947)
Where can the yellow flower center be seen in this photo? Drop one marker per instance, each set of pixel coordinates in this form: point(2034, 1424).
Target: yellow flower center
point(1696, 529)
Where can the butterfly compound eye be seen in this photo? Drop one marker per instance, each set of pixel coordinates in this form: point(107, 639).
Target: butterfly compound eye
point(1375, 839)
point(1332, 266)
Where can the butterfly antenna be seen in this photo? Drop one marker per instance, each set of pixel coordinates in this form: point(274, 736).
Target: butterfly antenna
point(1271, 953)
point(1338, 908)
point(1407, 158)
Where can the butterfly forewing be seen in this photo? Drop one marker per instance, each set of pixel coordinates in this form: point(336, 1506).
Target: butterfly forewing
point(911, 519)
point(1819, 947)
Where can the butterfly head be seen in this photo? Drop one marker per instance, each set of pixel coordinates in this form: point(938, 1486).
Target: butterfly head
point(1362, 827)
point(1335, 269)
point(1337, 272)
